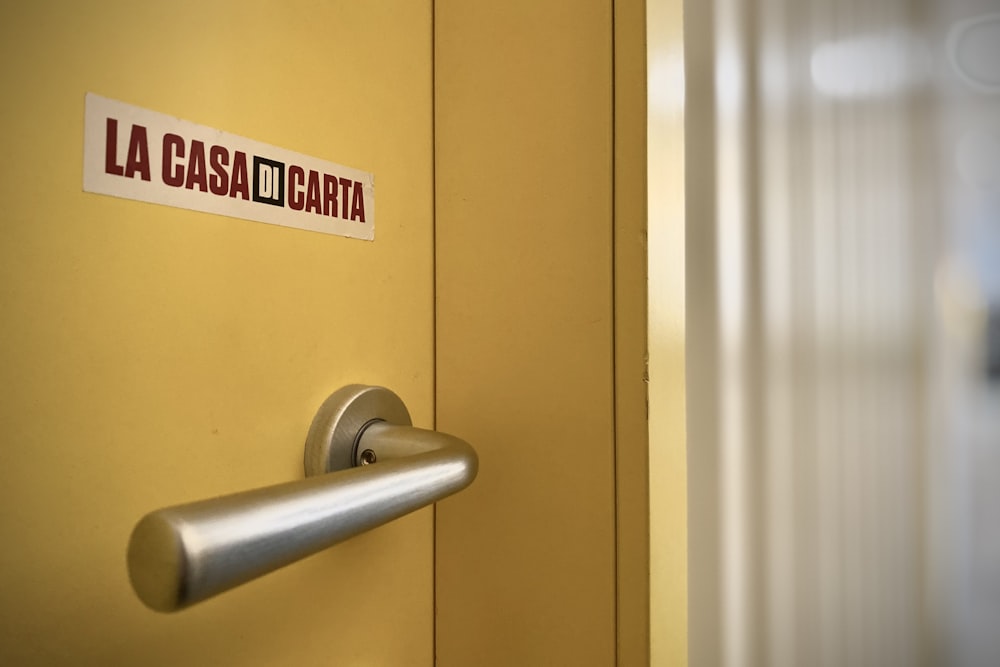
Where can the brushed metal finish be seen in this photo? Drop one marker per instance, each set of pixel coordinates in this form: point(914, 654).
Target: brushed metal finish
point(332, 441)
point(184, 554)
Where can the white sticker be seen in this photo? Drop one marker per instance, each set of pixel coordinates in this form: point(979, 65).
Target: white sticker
point(139, 154)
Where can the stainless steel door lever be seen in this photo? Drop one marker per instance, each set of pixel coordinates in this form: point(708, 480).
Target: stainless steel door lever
point(365, 465)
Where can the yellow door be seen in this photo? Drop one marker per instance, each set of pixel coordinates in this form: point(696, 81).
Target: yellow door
point(154, 355)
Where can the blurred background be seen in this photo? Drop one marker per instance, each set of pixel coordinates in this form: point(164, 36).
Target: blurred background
point(843, 331)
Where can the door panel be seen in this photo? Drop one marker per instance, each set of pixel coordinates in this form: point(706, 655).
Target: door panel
point(525, 331)
point(153, 355)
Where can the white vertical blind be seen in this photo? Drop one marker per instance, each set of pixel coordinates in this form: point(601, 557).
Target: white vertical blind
point(843, 449)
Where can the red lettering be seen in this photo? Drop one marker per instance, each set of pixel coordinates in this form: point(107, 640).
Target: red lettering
point(196, 167)
point(345, 187)
point(111, 165)
point(218, 159)
point(138, 154)
point(330, 195)
point(240, 181)
point(295, 178)
point(358, 203)
point(173, 146)
point(312, 192)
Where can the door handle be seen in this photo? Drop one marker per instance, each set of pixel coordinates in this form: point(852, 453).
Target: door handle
point(365, 465)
